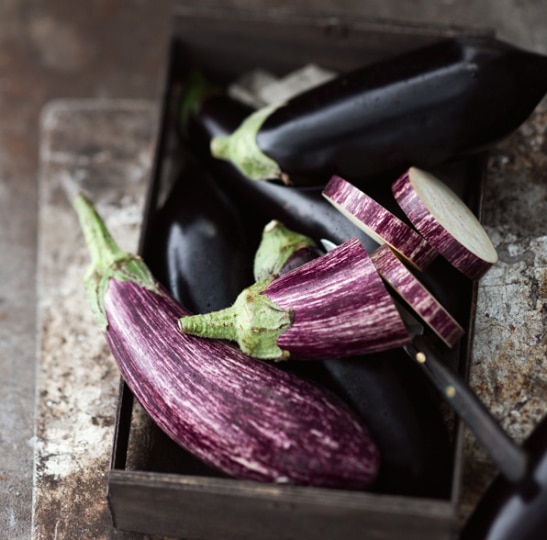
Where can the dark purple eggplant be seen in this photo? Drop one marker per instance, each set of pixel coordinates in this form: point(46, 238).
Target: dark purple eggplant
point(199, 248)
point(515, 511)
point(302, 209)
point(404, 416)
point(421, 108)
point(240, 415)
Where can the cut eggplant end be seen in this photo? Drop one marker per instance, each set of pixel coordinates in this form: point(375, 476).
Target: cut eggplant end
point(333, 306)
point(416, 295)
point(379, 223)
point(445, 221)
point(341, 307)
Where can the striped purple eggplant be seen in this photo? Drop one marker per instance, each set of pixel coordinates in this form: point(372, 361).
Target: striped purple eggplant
point(243, 416)
point(333, 306)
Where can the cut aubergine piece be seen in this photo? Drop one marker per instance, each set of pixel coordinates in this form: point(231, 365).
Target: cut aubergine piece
point(333, 306)
point(378, 222)
point(416, 295)
point(445, 221)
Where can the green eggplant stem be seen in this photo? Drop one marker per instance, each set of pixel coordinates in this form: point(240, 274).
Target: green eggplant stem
point(108, 261)
point(277, 245)
point(253, 321)
point(196, 90)
point(242, 149)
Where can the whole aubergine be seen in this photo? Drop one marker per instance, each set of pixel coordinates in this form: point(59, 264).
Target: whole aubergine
point(198, 246)
point(421, 108)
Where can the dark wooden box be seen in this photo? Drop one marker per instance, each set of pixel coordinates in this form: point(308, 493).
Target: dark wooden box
point(167, 492)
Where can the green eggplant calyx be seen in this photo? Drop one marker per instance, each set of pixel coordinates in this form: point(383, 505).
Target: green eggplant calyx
point(196, 90)
point(277, 245)
point(108, 261)
point(241, 148)
point(253, 321)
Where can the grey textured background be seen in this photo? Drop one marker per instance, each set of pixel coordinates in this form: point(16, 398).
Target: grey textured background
point(116, 49)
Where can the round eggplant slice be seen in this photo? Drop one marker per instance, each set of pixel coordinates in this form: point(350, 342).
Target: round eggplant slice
point(414, 293)
point(445, 221)
point(378, 222)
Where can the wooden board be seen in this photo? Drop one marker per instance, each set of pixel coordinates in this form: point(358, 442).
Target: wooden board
point(104, 148)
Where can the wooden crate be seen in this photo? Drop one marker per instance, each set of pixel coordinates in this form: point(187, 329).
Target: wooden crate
point(173, 494)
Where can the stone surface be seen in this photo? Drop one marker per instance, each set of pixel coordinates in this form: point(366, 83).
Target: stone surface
point(509, 366)
point(104, 149)
point(53, 49)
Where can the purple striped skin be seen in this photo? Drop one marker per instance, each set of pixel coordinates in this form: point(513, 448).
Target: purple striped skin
point(379, 223)
point(341, 307)
point(458, 255)
point(416, 295)
point(244, 416)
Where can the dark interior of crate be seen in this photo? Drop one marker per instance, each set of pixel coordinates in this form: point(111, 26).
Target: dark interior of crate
point(280, 48)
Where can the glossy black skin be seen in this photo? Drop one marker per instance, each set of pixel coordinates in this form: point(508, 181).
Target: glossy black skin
point(515, 511)
point(403, 415)
point(421, 108)
point(302, 209)
point(198, 246)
